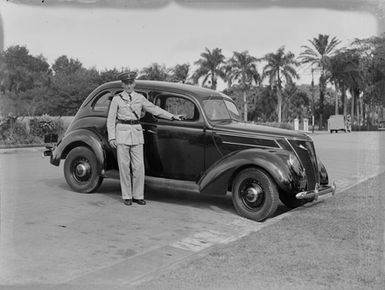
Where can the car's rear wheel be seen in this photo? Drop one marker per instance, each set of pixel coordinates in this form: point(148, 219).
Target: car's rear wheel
point(255, 194)
point(80, 170)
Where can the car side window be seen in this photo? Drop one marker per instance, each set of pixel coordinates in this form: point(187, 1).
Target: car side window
point(180, 106)
point(102, 101)
point(151, 97)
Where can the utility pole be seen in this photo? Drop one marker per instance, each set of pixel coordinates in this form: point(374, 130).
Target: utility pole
point(312, 100)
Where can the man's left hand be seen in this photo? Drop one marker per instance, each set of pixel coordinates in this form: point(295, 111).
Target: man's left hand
point(178, 117)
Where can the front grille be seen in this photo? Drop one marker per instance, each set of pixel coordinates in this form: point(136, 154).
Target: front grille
point(306, 154)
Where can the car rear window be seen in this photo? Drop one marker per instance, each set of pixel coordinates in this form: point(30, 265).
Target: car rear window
point(102, 101)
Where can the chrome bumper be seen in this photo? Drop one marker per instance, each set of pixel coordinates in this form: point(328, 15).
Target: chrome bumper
point(49, 150)
point(50, 141)
point(318, 191)
point(46, 153)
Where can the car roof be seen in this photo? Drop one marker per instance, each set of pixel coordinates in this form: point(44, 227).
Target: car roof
point(199, 92)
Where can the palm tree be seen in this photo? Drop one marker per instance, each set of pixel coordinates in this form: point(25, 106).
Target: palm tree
point(210, 66)
point(280, 68)
point(355, 82)
point(296, 103)
point(319, 55)
point(372, 64)
point(155, 72)
point(345, 74)
point(242, 68)
point(180, 72)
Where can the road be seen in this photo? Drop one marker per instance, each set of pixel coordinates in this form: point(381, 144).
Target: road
point(52, 236)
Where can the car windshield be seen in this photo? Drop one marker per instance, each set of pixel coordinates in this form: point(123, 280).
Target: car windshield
point(220, 109)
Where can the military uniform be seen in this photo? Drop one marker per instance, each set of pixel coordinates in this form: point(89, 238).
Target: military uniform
point(123, 126)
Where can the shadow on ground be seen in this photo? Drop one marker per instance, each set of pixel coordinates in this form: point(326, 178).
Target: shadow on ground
point(111, 188)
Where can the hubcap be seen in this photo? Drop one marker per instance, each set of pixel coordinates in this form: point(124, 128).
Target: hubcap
point(253, 192)
point(81, 170)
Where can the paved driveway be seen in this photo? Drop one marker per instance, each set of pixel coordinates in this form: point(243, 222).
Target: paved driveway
point(51, 235)
point(353, 157)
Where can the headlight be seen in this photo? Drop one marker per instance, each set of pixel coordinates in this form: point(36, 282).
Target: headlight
point(296, 165)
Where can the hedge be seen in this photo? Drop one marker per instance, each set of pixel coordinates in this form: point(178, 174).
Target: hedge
point(20, 130)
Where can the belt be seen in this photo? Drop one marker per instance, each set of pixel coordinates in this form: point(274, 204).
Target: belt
point(130, 122)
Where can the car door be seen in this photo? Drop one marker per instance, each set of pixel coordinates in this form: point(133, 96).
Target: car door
point(174, 149)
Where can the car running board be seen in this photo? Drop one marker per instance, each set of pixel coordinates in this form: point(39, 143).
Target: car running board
point(171, 184)
point(159, 183)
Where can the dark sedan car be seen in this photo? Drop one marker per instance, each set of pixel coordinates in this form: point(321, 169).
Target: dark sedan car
point(211, 151)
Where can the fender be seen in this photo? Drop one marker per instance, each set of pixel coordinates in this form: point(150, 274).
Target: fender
point(77, 138)
point(218, 177)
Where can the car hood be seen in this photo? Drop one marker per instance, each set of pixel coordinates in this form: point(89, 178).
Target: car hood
point(249, 130)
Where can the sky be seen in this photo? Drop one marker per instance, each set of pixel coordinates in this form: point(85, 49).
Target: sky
point(172, 34)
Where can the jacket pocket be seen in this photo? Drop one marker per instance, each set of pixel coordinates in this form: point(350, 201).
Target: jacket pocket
point(139, 134)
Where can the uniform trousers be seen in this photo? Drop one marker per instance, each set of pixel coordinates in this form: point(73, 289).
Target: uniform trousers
point(131, 170)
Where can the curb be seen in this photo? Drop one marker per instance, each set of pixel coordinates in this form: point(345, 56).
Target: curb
point(21, 148)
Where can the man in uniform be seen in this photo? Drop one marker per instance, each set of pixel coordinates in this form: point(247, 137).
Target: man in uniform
point(125, 133)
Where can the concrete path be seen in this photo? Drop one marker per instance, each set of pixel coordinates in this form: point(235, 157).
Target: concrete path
point(351, 158)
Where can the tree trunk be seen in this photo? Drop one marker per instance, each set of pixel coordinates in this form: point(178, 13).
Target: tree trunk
point(279, 106)
point(213, 81)
point(358, 111)
point(283, 118)
point(336, 105)
point(345, 98)
point(322, 88)
point(374, 114)
point(244, 106)
point(367, 115)
point(352, 107)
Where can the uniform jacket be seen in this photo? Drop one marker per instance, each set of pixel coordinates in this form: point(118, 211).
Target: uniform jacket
point(123, 107)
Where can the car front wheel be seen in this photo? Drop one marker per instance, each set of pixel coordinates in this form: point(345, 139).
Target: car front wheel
point(255, 195)
point(80, 170)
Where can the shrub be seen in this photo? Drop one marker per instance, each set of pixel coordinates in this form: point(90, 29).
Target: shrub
point(7, 126)
point(364, 128)
point(14, 132)
point(17, 134)
point(44, 125)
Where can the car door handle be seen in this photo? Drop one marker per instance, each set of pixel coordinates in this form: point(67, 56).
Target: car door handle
point(149, 131)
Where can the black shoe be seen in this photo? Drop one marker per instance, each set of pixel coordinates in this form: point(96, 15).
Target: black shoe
point(139, 201)
point(127, 201)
